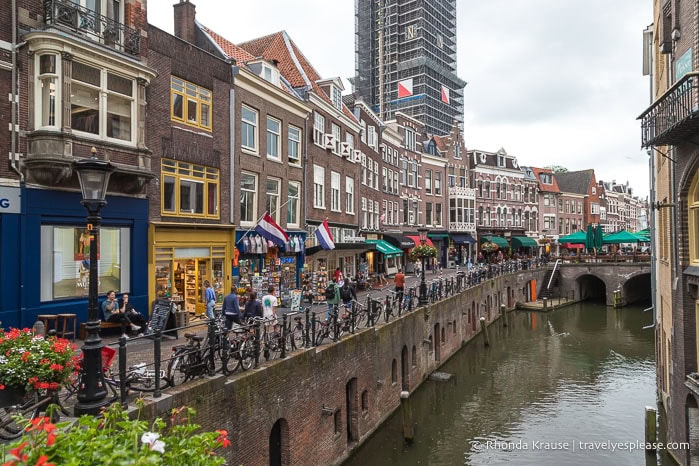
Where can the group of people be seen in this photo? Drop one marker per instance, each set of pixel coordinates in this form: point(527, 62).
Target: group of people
point(265, 308)
point(123, 313)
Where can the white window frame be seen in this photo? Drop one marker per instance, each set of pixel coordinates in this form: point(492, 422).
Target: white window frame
point(410, 139)
point(294, 140)
point(294, 204)
point(437, 183)
point(337, 132)
point(335, 204)
point(274, 139)
point(254, 125)
point(253, 193)
point(318, 187)
point(39, 104)
point(318, 129)
point(349, 195)
point(336, 96)
point(273, 198)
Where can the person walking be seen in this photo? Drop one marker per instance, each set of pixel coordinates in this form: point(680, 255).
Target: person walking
point(269, 307)
point(231, 308)
point(348, 293)
point(399, 282)
point(210, 299)
point(332, 297)
point(253, 308)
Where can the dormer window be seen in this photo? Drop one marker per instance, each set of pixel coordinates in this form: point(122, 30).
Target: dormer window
point(546, 178)
point(270, 74)
point(336, 97)
point(501, 160)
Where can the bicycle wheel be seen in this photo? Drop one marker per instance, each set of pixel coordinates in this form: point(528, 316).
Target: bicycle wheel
point(144, 380)
point(360, 319)
point(232, 362)
point(11, 428)
point(224, 355)
point(177, 370)
point(296, 338)
point(387, 313)
point(246, 354)
point(320, 332)
point(274, 345)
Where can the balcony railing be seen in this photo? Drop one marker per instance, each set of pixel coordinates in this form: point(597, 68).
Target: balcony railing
point(458, 191)
point(459, 226)
point(674, 117)
point(80, 19)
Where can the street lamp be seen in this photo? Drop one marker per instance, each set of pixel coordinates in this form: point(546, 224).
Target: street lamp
point(93, 175)
point(423, 286)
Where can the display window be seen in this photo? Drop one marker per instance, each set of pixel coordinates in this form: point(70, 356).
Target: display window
point(65, 261)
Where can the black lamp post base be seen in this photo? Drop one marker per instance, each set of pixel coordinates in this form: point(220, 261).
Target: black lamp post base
point(94, 408)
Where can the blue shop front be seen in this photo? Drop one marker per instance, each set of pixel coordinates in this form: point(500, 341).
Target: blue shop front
point(261, 264)
point(44, 255)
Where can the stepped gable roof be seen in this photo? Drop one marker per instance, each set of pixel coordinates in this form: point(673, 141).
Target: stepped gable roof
point(291, 62)
point(546, 188)
point(575, 182)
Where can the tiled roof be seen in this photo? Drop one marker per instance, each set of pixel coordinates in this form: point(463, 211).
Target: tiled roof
point(441, 142)
point(229, 48)
point(291, 62)
point(575, 182)
point(547, 188)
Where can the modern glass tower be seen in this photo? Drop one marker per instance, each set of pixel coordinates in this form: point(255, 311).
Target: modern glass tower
point(405, 60)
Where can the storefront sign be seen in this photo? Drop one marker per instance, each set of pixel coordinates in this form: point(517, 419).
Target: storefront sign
point(372, 236)
point(354, 239)
point(683, 65)
point(10, 200)
point(295, 300)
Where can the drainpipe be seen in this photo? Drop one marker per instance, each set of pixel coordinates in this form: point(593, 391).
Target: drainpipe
point(653, 250)
point(304, 171)
point(15, 95)
point(231, 125)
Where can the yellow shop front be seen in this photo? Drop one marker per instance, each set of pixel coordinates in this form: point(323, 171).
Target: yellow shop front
point(182, 258)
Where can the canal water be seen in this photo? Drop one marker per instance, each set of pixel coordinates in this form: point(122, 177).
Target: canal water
point(552, 388)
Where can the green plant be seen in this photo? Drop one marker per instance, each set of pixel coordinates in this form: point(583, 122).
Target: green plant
point(32, 361)
point(422, 250)
point(115, 439)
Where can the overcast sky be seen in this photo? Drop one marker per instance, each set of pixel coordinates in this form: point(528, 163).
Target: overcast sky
point(554, 82)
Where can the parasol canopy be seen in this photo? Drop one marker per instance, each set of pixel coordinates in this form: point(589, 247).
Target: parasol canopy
point(575, 238)
point(622, 236)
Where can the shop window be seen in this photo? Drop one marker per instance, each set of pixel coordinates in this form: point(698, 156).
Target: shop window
point(191, 104)
point(189, 189)
point(248, 197)
point(65, 261)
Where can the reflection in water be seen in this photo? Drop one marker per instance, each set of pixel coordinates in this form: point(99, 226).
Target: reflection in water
point(546, 383)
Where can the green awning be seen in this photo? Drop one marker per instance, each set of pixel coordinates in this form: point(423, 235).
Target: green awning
point(499, 240)
point(385, 248)
point(523, 242)
point(437, 235)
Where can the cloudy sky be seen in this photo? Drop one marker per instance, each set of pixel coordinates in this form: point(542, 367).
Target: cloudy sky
point(554, 82)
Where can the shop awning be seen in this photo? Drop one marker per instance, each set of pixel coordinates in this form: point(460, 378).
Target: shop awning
point(399, 241)
point(385, 248)
point(524, 242)
point(437, 235)
point(342, 246)
point(416, 240)
point(499, 240)
point(462, 238)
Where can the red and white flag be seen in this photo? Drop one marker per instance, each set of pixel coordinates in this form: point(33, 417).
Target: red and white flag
point(445, 94)
point(405, 88)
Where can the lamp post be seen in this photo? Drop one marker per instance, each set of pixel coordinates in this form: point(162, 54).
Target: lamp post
point(423, 286)
point(93, 175)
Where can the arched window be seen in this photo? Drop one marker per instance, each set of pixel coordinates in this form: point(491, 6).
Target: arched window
point(487, 216)
point(497, 217)
point(480, 215)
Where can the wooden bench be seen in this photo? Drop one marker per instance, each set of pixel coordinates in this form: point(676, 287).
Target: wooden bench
point(103, 325)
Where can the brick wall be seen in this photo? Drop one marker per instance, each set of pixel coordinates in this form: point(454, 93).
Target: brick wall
point(301, 389)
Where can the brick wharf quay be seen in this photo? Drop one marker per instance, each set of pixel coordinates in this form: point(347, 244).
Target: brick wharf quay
point(318, 404)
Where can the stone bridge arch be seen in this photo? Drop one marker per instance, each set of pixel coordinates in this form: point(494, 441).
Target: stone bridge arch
point(585, 280)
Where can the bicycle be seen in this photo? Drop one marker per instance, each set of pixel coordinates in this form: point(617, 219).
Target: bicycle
point(333, 328)
point(15, 418)
point(390, 302)
point(192, 360)
point(241, 349)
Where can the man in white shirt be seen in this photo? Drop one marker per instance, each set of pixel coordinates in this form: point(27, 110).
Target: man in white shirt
point(269, 307)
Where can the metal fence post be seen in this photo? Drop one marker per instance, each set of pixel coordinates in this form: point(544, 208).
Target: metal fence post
point(257, 344)
point(212, 345)
point(336, 327)
point(313, 329)
point(122, 370)
point(156, 356)
point(284, 335)
point(306, 338)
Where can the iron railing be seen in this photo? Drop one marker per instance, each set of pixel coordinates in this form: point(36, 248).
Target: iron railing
point(662, 123)
point(83, 20)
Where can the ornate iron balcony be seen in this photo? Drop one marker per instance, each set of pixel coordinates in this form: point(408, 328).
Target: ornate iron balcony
point(674, 117)
point(80, 19)
point(458, 191)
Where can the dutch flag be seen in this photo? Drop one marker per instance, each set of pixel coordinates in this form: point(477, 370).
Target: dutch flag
point(269, 230)
point(325, 238)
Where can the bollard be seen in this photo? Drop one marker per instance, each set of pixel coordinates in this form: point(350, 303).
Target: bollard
point(212, 344)
point(157, 356)
point(306, 339)
point(651, 428)
point(546, 303)
point(503, 311)
point(313, 329)
point(406, 409)
point(39, 328)
point(122, 370)
point(484, 329)
point(284, 336)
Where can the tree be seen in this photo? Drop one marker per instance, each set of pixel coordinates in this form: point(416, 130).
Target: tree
point(557, 169)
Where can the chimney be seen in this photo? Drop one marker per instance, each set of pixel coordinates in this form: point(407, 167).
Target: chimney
point(185, 12)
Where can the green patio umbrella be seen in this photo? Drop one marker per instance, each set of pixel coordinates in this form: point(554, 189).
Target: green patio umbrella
point(590, 237)
point(621, 236)
point(575, 238)
point(599, 237)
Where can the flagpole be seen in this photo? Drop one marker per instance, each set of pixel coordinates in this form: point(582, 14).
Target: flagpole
point(259, 219)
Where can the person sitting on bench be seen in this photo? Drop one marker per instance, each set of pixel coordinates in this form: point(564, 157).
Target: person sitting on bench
point(112, 313)
point(135, 317)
